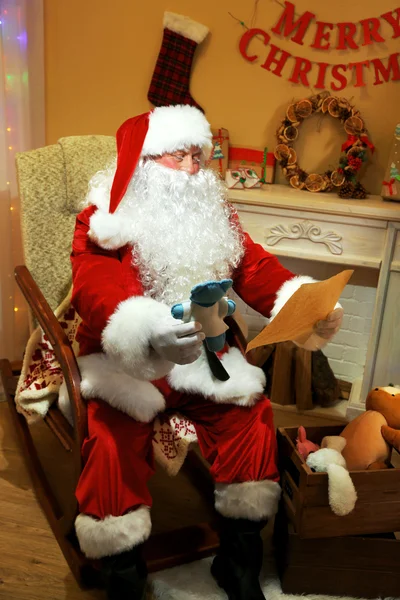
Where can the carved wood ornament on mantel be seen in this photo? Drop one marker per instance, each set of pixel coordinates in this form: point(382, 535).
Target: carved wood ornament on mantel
point(305, 230)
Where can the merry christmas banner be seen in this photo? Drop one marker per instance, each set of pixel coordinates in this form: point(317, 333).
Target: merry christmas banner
point(344, 36)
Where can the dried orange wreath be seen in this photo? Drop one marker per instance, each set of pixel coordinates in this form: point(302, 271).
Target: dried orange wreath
point(344, 177)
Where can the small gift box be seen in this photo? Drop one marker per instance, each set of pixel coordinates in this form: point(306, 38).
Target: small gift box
point(242, 178)
point(255, 166)
point(389, 188)
point(218, 160)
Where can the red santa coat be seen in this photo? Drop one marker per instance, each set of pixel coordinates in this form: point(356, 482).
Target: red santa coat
point(118, 320)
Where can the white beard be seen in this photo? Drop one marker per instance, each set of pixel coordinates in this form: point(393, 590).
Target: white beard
point(182, 233)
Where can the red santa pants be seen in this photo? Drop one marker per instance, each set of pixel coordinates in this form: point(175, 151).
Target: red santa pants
point(238, 442)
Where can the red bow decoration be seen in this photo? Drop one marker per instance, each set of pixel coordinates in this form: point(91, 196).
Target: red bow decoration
point(352, 139)
point(390, 185)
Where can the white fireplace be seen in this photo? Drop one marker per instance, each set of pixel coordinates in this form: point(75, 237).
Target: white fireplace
point(320, 235)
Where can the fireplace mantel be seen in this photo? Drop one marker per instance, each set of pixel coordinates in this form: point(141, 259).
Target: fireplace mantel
point(353, 233)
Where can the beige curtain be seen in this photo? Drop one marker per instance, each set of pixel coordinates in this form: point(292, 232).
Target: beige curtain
point(21, 128)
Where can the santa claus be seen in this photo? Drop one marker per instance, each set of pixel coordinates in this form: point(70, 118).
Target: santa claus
point(157, 223)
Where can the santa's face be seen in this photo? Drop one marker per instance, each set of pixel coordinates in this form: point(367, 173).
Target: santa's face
point(182, 160)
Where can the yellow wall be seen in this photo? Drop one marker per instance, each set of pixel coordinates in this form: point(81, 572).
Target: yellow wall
point(100, 57)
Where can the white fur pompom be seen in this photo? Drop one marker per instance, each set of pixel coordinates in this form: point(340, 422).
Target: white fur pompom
point(109, 230)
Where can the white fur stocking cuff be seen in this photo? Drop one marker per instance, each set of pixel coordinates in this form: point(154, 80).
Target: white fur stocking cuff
point(185, 26)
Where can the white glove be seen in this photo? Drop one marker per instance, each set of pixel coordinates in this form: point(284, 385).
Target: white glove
point(176, 341)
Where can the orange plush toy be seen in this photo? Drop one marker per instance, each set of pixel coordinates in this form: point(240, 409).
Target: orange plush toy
point(371, 436)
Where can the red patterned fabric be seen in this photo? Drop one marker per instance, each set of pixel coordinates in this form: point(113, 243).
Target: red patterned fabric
point(171, 78)
point(41, 373)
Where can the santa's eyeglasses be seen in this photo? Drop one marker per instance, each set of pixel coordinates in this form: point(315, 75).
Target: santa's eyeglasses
point(180, 156)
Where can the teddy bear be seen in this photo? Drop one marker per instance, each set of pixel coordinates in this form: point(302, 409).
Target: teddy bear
point(209, 306)
point(329, 459)
point(371, 436)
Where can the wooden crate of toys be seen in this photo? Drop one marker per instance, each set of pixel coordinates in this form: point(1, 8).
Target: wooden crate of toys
point(324, 499)
point(335, 530)
point(364, 566)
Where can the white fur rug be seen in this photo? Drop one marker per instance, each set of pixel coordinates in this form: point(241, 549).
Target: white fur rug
point(194, 582)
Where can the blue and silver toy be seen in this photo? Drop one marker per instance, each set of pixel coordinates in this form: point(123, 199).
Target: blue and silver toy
point(209, 306)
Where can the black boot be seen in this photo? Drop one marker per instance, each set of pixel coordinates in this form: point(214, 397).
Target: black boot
point(237, 565)
point(125, 575)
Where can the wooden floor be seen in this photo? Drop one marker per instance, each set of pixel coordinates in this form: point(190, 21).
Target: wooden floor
point(32, 566)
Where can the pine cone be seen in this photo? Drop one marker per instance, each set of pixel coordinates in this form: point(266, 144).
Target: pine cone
point(360, 193)
point(347, 190)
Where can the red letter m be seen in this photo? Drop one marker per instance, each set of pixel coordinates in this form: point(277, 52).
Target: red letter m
point(288, 24)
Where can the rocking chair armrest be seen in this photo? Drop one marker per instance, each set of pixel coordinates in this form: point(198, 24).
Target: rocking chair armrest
point(60, 344)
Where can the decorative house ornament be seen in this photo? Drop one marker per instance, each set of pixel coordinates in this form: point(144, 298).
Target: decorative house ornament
point(343, 178)
point(391, 182)
point(218, 160)
point(249, 167)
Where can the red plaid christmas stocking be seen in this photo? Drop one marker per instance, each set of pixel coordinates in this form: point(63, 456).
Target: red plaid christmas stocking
point(171, 77)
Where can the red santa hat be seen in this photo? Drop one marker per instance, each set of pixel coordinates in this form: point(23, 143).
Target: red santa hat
point(164, 129)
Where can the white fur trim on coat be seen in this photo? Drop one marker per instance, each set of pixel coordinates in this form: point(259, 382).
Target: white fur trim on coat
point(126, 338)
point(101, 378)
point(112, 535)
point(244, 387)
point(185, 26)
point(174, 128)
point(287, 290)
point(109, 231)
point(254, 500)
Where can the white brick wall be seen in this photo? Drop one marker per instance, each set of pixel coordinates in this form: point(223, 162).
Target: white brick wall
point(348, 351)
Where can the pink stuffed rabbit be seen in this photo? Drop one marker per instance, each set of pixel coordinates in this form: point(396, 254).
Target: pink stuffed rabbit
point(303, 445)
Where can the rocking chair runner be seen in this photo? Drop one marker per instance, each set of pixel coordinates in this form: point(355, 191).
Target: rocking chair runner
point(53, 183)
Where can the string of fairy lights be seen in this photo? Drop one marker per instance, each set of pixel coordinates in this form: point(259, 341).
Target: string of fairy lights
point(14, 41)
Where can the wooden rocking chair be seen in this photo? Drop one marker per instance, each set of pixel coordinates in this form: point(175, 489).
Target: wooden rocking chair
point(52, 183)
